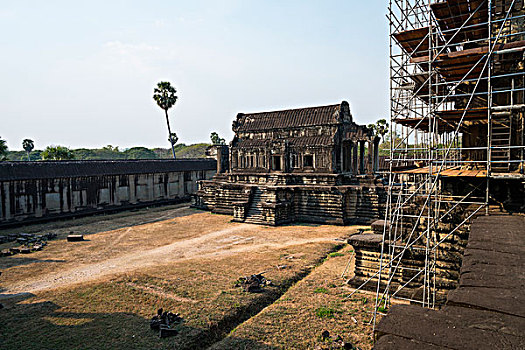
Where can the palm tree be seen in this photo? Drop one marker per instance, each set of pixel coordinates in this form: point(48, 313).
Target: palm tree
point(382, 128)
point(164, 95)
point(216, 139)
point(28, 146)
point(3, 149)
point(173, 139)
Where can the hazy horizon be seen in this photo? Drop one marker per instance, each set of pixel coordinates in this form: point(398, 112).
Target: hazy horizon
point(82, 75)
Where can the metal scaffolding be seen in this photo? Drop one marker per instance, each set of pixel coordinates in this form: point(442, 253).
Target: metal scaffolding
point(457, 86)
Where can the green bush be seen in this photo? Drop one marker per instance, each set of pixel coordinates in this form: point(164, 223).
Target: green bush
point(334, 254)
point(321, 290)
point(326, 312)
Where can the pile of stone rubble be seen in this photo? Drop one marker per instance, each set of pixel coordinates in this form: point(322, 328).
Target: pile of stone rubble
point(254, 283)
point(333, 342)
point(27, 242)
point(165, 322)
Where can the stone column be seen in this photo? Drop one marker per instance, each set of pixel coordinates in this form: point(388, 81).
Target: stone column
point(132, 189)
point(182, 184)
point(234, 160)
point(150, 180)
point(370, 167)
point(376, 154)
point(355, 165)
point(230, 159)
point(222, 159)
point(7, 200)
point(333, 164)
point(341, 158)
point(267, 161)
point(361, 157)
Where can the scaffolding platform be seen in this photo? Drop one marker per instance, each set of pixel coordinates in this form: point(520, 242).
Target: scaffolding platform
point(452, 172)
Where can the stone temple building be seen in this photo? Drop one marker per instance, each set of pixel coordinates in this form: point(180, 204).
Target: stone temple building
point(310, 164)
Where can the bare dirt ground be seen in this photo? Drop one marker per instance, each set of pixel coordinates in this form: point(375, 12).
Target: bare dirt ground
point(131, 263)
point(188, 235)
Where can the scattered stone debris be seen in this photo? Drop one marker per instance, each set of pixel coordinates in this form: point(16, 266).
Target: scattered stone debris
point(334, 342)
point(282, 267)
point(75, 238)
point(165, 322)
point(297, 256)
point(253, 283)
point(25, 250)
point(28, 242)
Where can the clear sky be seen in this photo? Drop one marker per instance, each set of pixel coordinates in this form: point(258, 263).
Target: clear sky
point(82, 73)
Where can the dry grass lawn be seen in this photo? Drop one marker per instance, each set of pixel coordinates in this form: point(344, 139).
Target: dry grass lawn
point(100, 293)
point(317, 303)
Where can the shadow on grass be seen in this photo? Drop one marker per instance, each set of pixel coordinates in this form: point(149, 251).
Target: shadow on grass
point(28, 324)
point(110, 221)
point(11, 261)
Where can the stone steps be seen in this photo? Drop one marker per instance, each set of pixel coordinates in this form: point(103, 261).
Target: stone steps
point(311, 203)
point(255, 212)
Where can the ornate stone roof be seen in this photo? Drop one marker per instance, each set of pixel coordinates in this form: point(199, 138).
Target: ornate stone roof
point(61, 169)
point(314, 141)
point(247, 143)
point(289, 118)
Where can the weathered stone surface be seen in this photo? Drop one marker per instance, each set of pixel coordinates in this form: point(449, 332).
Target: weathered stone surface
point(274, 205)
point(75, 238)
point(166, 332)
point(165, 322)
point(393, 342)
point(72, 188)
point(366, 240)
point(378, 226)
point(504, 300)
point(286, 168)
point(485, 311)
point(487, 320)
point(454, 331)
point(411, 260)
point(492, 276)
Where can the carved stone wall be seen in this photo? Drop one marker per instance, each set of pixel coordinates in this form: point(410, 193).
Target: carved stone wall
point(280, 203)
point(406, 282)
point(45, 190)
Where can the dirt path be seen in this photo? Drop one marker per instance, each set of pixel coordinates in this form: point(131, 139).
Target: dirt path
point(218, 243)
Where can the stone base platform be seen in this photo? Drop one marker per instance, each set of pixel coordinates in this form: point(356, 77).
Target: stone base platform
point(487, 309)
point(275, 200)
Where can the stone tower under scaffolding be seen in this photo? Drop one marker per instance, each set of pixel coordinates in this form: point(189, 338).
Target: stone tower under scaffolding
point(457, 83)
